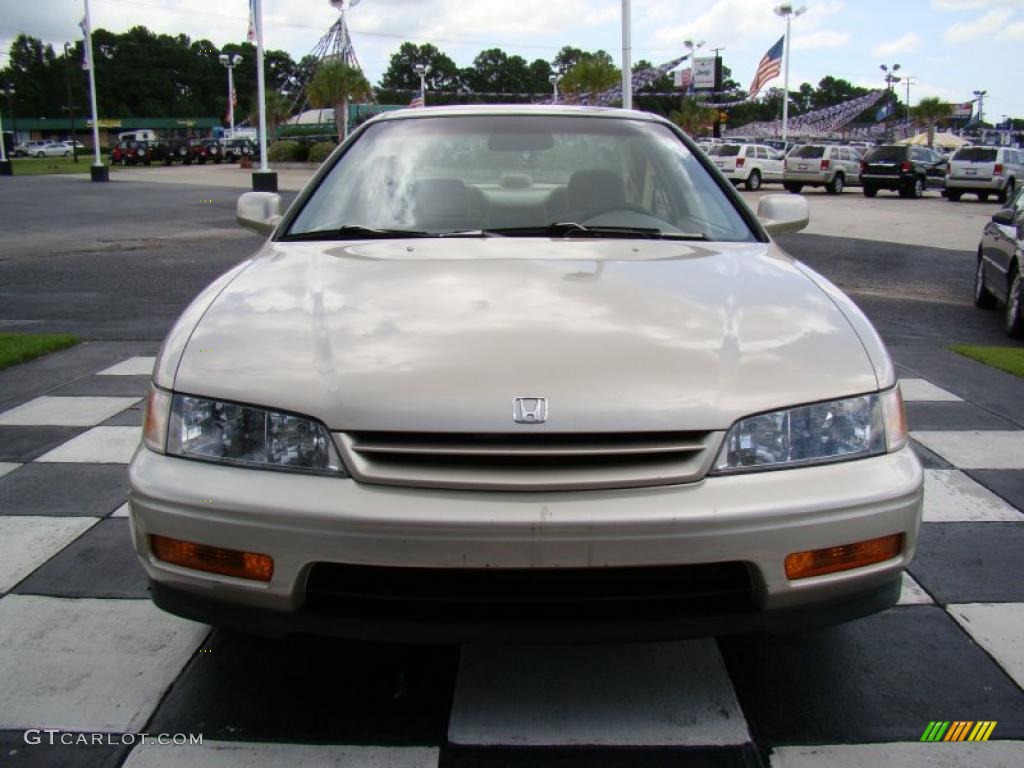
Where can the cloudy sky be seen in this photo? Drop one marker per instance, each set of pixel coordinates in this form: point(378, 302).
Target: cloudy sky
point(952, 47)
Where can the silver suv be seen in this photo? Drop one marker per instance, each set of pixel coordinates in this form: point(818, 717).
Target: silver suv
point(822, 165)
point(27, 148)
point(984, 171)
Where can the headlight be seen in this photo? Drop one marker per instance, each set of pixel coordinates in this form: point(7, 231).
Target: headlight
point(213, 430)
point(839, 430)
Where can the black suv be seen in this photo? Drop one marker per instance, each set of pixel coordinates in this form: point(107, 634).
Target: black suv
point(902, 168)
point(236, 149)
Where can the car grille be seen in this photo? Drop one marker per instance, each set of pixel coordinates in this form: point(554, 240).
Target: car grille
point(529, 462)
point(518, 594)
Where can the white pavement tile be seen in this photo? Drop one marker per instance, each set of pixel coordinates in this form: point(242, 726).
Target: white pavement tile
point(66, 411)
point(921, 390)
point(7, 467)
point(121, 511)
point(950, 496)
point(966, 754)
point(912, 593)
point(998, 628)
point(227, 754)
point(133, 366)
point(88, 665)
point(977, 449)
point(28, 542)
point(100, 445)
point(656, 694)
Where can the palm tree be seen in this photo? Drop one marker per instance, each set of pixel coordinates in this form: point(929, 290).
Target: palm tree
point(334, 85)
point(279, 109)
point(692, 117)
point(930, 111)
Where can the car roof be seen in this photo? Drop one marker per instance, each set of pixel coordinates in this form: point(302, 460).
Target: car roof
point(519, 109)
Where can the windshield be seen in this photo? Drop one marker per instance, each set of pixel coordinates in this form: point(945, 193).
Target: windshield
point(725, 150)
point(808, 152)
point(501, 173)
point(887, 153)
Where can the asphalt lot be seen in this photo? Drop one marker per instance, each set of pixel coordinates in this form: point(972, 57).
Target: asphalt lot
point(82, 649)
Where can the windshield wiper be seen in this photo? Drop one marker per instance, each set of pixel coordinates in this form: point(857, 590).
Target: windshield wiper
point(355, 232)
point(574, 229)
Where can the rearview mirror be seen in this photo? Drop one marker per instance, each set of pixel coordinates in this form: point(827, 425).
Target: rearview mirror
point(1003, 216)
point(259, 211)
point(780, 214)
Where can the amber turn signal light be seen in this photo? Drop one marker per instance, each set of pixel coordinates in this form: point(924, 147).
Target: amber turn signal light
point(227, 562)
point(818, 562)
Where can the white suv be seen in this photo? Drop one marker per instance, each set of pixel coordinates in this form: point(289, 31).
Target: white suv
point(751, 164)
point(984, 171)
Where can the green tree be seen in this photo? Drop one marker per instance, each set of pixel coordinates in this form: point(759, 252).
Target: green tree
point(401, 74)
point(494, 71)
point(334, 85)
point(930, 111)
point(540, 71)
point(692, 117)
point(279, 108)
point(590, 76)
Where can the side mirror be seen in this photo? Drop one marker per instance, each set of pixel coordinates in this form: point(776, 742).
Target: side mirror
point(259, 211)
point(1004, 216)
point(780, 214)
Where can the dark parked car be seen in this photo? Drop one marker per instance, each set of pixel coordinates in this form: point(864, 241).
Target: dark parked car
point(997, 278)
point(235, 149)
point(205, 151)
point(902, 168)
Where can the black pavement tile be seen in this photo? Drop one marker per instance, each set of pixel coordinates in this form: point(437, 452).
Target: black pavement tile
point(1008, 483)
point(111, 386)
point(99, 563)
point(23, 444)
point(994, 390)
point(877, 679)
point(929, 459)
point(131, 417)
point(953, 416)
point(79, 750)
point(64, 490)
point(606, 757)
point(312, 689)
point(21, 383)
point(971, 562)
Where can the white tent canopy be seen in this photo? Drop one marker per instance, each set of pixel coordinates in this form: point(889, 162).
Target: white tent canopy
point(944, 140)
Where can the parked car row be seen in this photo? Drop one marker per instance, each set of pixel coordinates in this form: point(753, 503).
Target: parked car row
point(197, 151)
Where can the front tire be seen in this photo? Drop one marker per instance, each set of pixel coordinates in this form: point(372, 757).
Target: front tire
point(1007, 192)
point(1014, 306)
point(914, 190)
point(869, 191)
point(983, 197)
point(982, 298)
point(753, 182)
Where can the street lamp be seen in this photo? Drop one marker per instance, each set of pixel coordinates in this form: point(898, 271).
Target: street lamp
point(9, 91)
point(980, 96)
point(423, 70)
point(891, 79)
point(71, 105)
point(787, 12)
point(230, 62)
point(6, 168)
point(554, 80)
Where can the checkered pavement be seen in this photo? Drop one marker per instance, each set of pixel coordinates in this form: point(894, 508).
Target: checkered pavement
point(83, 650)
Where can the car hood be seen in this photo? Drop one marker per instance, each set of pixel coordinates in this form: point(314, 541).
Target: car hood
point(443, 334)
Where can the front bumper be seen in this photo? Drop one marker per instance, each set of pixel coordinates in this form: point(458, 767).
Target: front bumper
point(301, 521)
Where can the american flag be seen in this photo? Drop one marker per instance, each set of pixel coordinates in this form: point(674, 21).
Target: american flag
point(251, 34)
point(417, 101)
point(769, 67)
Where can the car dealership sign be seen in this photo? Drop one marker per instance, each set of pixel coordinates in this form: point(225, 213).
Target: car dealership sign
point(707, 73)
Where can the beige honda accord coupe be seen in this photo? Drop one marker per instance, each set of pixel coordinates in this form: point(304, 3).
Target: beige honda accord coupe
point(526, 374)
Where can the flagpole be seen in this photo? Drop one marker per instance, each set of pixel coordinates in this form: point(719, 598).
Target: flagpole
point(627, 58)
point(98, 171)
point(263, 180)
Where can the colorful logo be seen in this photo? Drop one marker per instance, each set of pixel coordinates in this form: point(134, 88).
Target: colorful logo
point(958, 730)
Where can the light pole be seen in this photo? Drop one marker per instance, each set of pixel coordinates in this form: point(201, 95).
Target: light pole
point(97, 171)
point(6, 168)
point(787, 12)
point(71, 104)
point(230, 62)
point(423, 70)
point(909, 80)
point(627, 58)
point(980, 96)
point(890, 81)
point(9, 91)
point(554, 80)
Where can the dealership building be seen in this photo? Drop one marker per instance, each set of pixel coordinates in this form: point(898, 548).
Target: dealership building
point(59, 128)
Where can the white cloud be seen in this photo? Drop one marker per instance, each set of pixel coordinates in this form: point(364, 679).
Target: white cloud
point(908, 43)
point(825, 38)
point(984, 26)
point(969, 5)
point(1013, 31)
